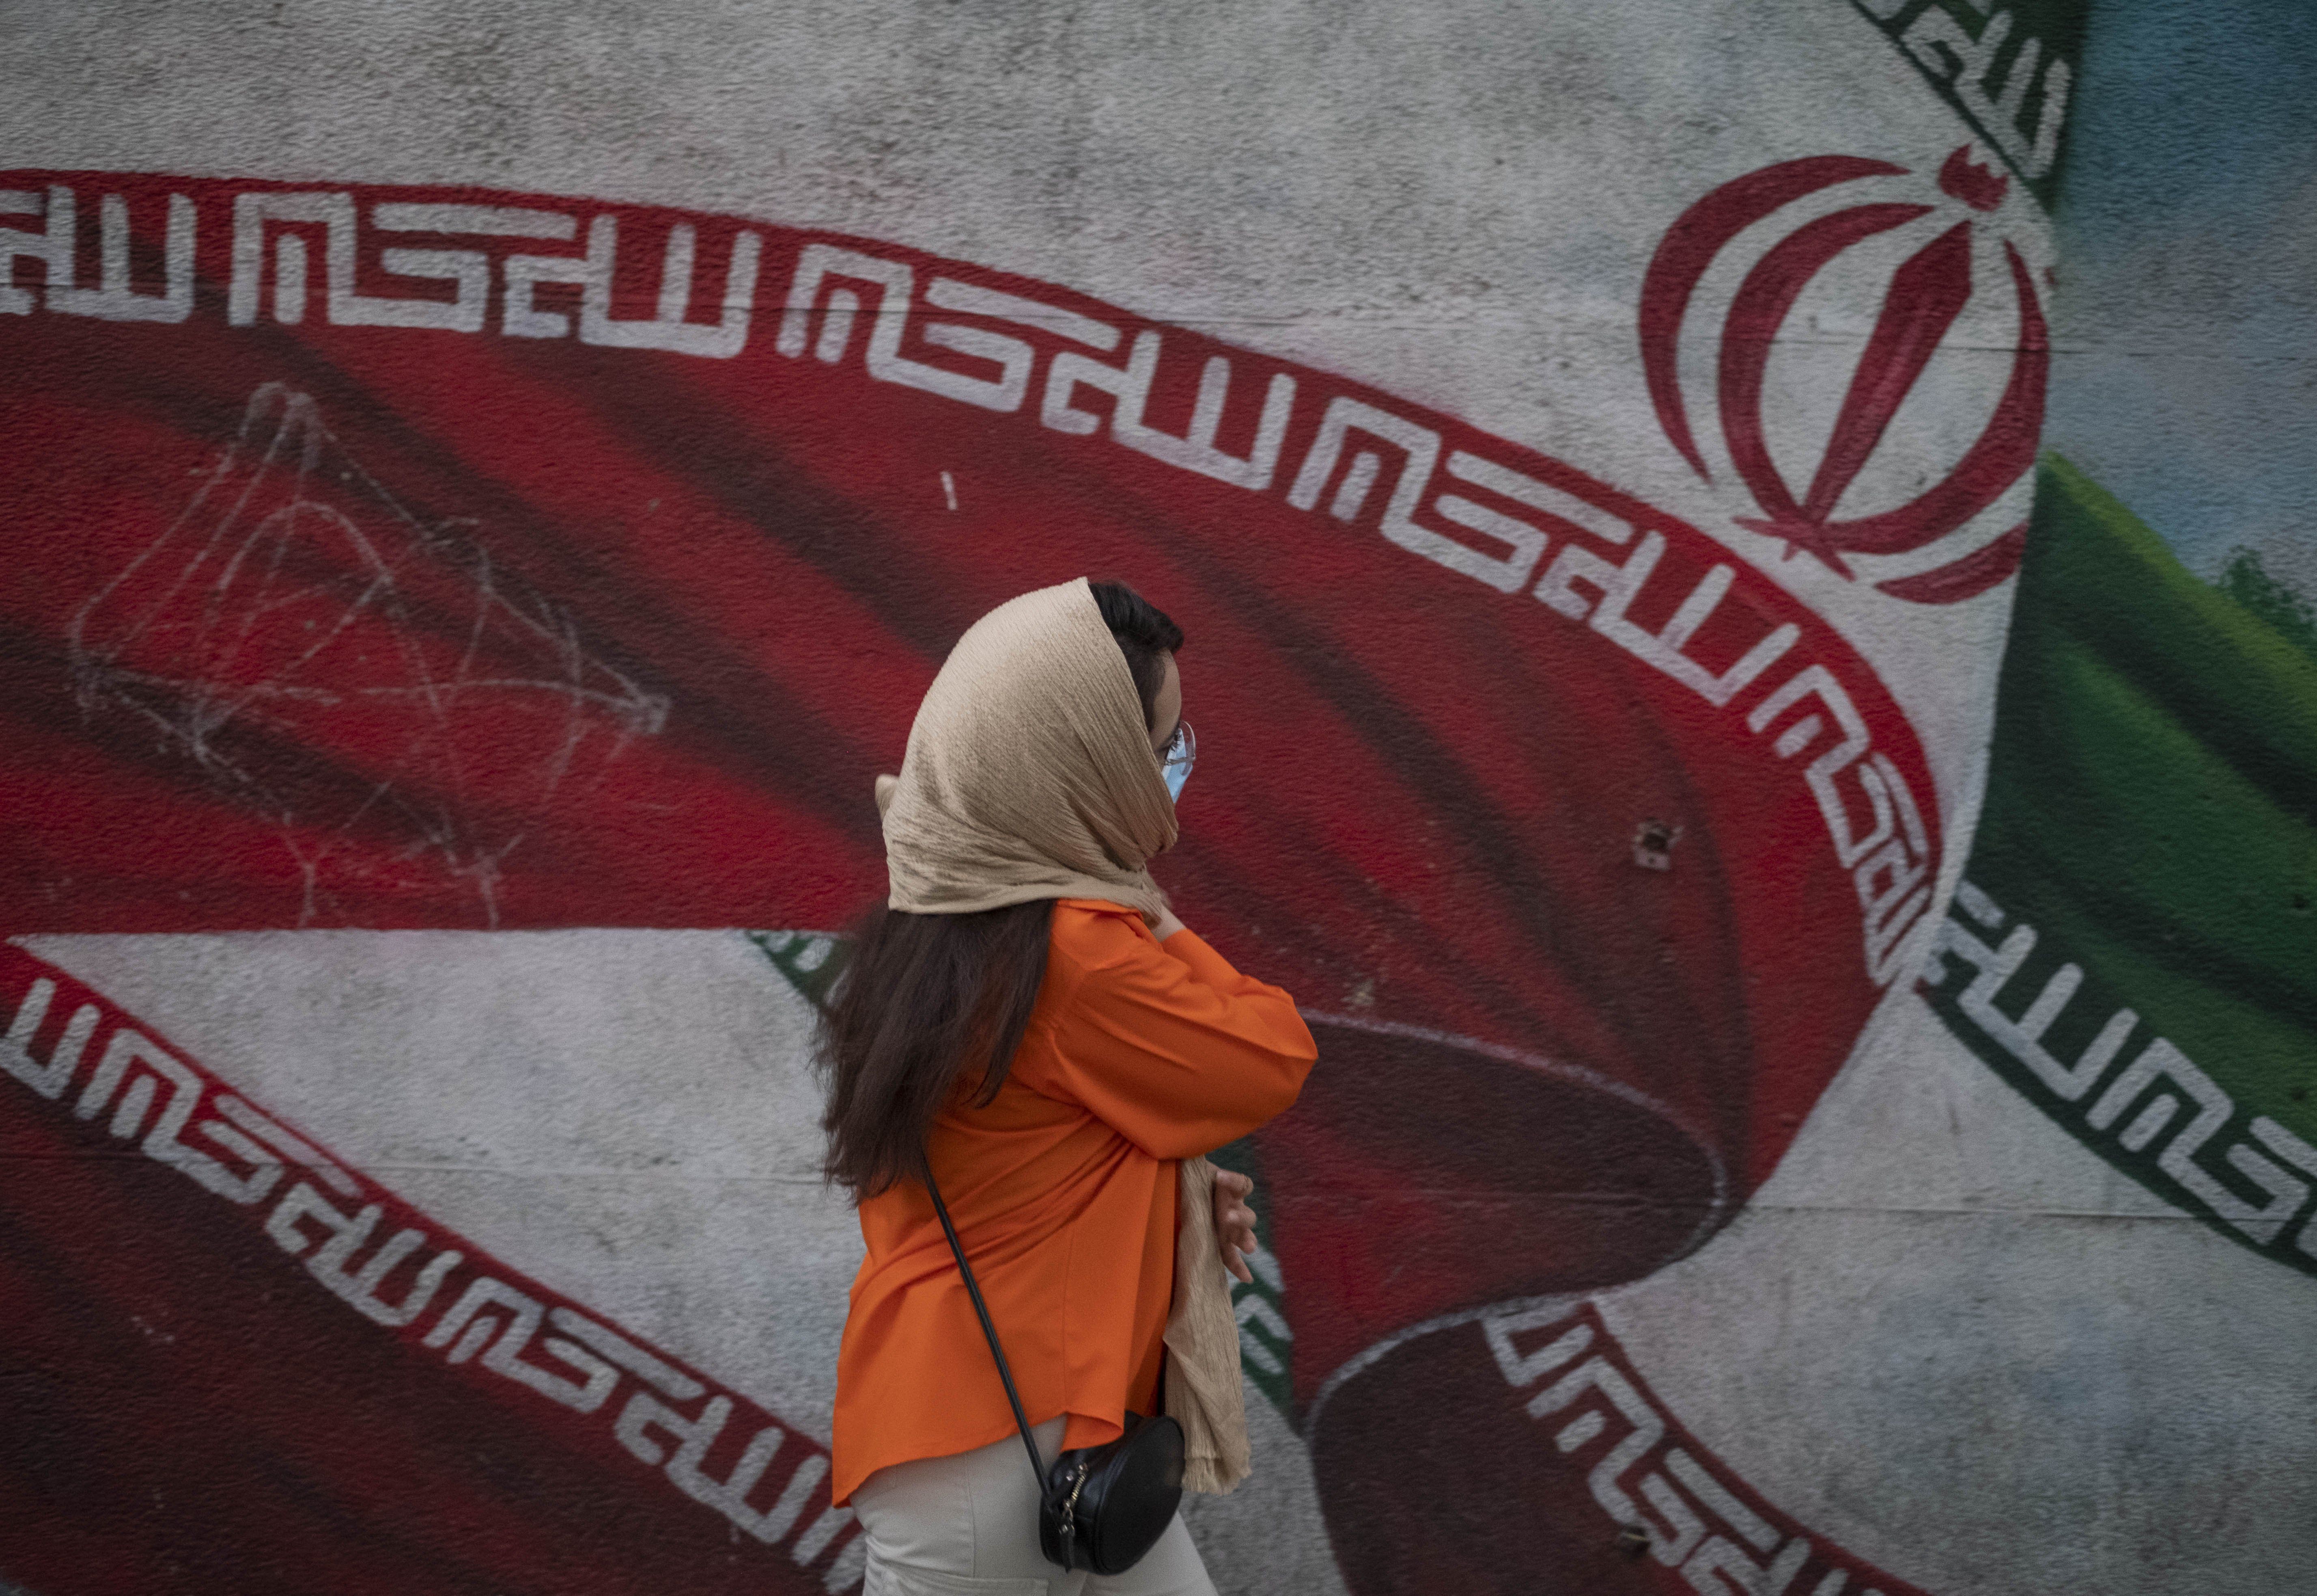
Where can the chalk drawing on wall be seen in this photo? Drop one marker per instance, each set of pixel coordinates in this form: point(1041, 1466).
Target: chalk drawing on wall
point(769, 490)
point(293, 592)
point(674, 511)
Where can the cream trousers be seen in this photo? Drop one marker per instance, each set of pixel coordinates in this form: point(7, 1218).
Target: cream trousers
point(967, 1525)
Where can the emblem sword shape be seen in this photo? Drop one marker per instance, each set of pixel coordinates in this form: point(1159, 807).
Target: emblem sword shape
point(1927, 293)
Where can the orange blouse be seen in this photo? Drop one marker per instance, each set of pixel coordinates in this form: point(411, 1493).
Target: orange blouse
point(1137, 1054)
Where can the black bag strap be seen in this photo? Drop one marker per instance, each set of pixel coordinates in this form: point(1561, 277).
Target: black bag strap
point(974, 1290)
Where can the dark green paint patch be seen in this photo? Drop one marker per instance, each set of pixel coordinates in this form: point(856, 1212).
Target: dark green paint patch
point(2249, 583)
point(810, 960)
point(2152, 817)
point(2010, 73)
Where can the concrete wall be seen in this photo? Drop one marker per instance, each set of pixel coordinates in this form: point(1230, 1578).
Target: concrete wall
point(1806, 909)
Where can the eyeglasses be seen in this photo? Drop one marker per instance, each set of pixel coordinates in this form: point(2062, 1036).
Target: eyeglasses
point(1176, 758)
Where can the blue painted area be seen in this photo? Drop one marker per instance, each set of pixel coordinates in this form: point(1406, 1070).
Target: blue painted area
point(2187, 377)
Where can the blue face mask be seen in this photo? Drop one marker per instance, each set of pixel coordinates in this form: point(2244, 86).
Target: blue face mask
point(1175, 759)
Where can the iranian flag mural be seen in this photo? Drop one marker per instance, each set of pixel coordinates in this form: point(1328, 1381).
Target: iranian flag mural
point(2162, 1014)
point(1778, 1040)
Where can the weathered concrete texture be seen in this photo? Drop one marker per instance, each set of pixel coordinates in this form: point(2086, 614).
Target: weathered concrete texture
point(1452, 200)
point(1899, 1326)
point(1938, 1301)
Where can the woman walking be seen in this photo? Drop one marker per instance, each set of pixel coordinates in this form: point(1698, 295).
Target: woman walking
point(1026, 1022)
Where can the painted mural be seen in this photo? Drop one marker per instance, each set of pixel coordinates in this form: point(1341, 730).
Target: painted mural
point(452, 632)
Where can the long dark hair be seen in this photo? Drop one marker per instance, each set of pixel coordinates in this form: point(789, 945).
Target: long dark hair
point(930, 1000)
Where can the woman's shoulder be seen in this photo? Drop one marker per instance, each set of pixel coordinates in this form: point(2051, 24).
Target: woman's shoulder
point(1078, 909)
point(1091, 932)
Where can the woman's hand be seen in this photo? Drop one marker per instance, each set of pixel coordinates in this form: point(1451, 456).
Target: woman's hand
point(1234, 1221)
point(1168, 925)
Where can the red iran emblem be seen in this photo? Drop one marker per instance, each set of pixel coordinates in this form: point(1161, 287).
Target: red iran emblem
point(1926, 294)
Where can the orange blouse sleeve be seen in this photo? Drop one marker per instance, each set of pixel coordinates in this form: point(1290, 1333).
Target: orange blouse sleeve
point(1167, 1044)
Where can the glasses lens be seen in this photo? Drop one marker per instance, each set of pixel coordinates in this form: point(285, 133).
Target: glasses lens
point(1175, 764)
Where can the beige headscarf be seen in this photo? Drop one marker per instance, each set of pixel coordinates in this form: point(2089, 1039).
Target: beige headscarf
point(1029, 772)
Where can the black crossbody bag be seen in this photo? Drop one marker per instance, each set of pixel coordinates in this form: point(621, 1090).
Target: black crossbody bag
point(1099, 1508)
